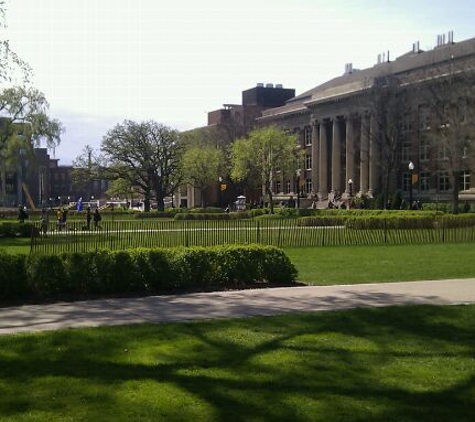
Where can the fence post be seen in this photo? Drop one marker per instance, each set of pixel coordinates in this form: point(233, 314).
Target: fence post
point(258, 237)
point(385, 231)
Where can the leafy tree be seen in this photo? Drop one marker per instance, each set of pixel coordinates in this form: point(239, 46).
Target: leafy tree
point(147, 154)
point(24, 124)
point(202, 167)
point(122, 188)
point(12, 68)
point(261, 154)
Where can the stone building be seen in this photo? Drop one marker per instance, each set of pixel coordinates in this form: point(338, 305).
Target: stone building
point(346, 141)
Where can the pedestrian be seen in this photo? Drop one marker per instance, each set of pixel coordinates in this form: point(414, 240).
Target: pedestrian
point(88, 218)
point(44, 219)
point(21, 215)
point(97, 219)
point(64, 217)
point(59, 219)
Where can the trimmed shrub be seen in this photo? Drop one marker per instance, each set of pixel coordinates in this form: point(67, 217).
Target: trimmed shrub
point(47, 276)
point(51, 277)
point(11, 229)
point(451, 221)
point(13, 277)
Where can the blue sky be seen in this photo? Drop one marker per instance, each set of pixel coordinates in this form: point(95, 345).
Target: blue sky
point(101, 61)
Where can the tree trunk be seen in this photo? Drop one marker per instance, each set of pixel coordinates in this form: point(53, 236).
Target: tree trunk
point(147, 201)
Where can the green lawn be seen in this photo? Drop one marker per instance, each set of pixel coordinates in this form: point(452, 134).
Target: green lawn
point(389, 364)
point(370, 264)
point(15, 244)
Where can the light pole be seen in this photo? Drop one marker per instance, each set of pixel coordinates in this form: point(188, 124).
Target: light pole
point(411, 172)
point(298, 187)
point(350, 187)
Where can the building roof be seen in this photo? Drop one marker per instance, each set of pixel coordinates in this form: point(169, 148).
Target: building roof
point(358, 80)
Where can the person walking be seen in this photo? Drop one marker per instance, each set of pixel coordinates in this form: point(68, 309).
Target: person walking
point(97, 219)
point(44, 219)
point(88, 218)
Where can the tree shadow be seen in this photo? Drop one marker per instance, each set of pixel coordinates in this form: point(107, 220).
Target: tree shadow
point(334, 366)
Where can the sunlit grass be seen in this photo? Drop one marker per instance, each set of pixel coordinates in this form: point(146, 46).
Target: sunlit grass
point(394, 364)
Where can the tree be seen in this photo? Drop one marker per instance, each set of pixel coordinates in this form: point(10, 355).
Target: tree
point(86, 167)
point(387, 103)
point(449, 94)
point(202, 167)
point(148, 155)
point(12, 67)
point(261, 154)
point(24, 124)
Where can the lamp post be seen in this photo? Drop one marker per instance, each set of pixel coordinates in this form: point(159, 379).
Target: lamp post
point(411, 172)
point(350, 187)
point(298, 187)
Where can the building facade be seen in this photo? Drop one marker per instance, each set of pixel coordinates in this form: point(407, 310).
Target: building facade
point(380, 130)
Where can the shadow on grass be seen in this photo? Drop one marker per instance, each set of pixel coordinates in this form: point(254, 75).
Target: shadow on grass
point(394, 364)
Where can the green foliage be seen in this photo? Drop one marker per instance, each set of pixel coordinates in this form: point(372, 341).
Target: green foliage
point(105, 272)
point(11, 229)
point(12, 275)
point(254, 159)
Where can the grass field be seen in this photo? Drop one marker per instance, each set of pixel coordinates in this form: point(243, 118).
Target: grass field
point(389, 364)
point(361, 264)
point(370, 264)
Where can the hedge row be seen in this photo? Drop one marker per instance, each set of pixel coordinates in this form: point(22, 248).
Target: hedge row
point(391, 220)
point(16, 229)
point(144, 271)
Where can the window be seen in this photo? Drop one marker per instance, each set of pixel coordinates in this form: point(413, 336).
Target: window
point(405, 123)
point(308, 162)
point(444, 181)
point(278, 186)
point(307, 134)
point(406, 178)
point(443, 153)
point(308, 186)
point(424, 117)
point(424, 181)
point(287, 186)
point(424, 150)
point(465, 180)
point(406, 152)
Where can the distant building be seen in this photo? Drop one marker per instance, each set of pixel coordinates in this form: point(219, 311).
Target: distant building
point(227, 124)
point(338, 129)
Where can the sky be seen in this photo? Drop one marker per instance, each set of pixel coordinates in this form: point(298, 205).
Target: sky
point(102, 61)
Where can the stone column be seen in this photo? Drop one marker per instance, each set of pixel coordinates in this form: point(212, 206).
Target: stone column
point(336, 156)
point(322, 163)
point(315, 164)
point(364, 155)
point(373, 157)
point(350, 154)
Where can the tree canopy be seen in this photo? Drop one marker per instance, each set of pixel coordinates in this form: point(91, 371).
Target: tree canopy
point(148, 155)
point(258, 157)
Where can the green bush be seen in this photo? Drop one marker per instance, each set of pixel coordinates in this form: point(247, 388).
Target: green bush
point(320, 221)
point(212, 216)
point(391, 222)
point(17, 229)
point(144, 271)
point(13, 277)
point(450, 221)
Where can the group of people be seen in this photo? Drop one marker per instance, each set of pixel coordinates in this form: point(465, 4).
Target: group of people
point(61, 219)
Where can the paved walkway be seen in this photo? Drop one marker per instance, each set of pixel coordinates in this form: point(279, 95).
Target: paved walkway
point(232, 304)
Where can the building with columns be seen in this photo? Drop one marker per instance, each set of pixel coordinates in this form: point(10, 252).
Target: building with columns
point(346, 132)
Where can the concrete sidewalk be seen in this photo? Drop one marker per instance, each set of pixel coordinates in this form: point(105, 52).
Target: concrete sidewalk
point(232, 304)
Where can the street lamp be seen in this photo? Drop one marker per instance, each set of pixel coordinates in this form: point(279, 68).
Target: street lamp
point(411, 172)
point(350, 187)
point(298, 187)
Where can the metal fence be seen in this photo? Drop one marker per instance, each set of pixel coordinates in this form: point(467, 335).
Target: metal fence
point(74, 237)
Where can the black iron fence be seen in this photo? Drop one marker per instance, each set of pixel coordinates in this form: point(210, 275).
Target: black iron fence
point(117, 235)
